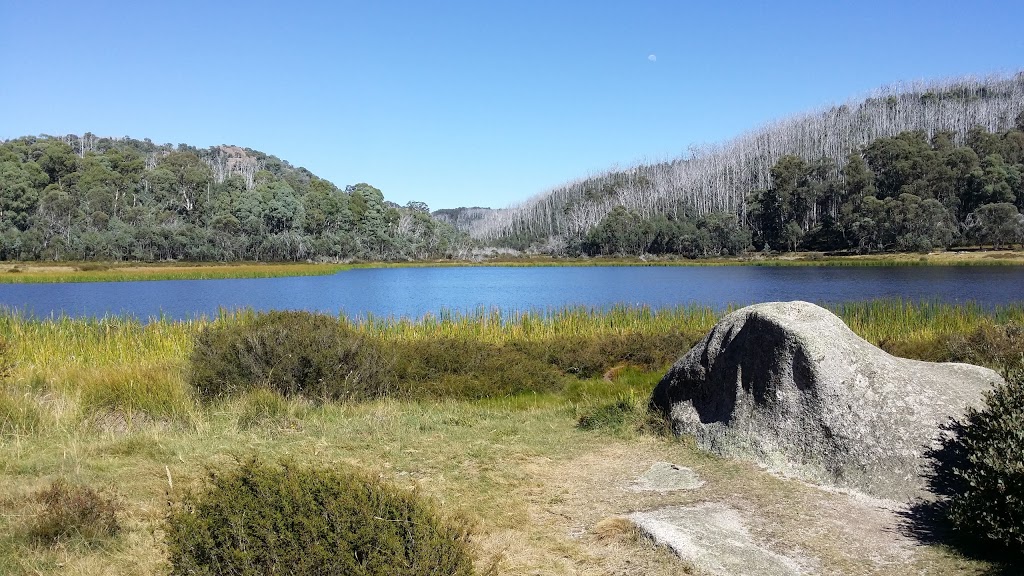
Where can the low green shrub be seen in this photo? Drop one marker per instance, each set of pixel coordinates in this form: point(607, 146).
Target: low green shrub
point(591, 356)
point(627, 415)
point(454, 367)
point(74, 511)
point(608, 415)
point(978, 473)
point(294, 353)
point(260, 518)
point(1000, 346)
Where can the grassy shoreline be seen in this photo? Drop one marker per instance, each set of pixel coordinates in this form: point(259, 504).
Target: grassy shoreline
point(46, 272)
point(106, 403)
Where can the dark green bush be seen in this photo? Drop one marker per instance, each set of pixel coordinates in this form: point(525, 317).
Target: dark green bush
point(978, 472)
point(73, 511)
point(259, 519)
point(294, 353)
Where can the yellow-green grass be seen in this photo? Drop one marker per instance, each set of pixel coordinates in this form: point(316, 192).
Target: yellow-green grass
point(35, 272)
point(106, 403)
point(43, 272)
point(972, 257)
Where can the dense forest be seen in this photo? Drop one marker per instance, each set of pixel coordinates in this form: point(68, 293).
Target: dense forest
point(903, 193)
point(89, 198)
point(716, 180)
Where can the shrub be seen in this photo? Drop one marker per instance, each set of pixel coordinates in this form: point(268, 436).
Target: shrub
point(998, 345)
point(458, 367)
point(71, 510)
point(978, 472)
point(611, 415)
point(261, 518)
point(591, 356)
point(294, 353)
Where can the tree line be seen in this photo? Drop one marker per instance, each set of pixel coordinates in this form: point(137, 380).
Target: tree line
point(88, 198)
point(907, 192)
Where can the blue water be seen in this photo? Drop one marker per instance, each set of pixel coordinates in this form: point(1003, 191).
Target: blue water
point(412, 292)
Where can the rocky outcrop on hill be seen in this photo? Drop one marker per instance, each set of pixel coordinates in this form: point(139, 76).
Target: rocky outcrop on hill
point(791, 387)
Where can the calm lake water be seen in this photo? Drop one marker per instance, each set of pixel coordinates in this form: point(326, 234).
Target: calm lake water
point(413, 292)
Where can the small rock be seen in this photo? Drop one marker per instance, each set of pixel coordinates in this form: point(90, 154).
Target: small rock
point(667, 477)
point(713, 538)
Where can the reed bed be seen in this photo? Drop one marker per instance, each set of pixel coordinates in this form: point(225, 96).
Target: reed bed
point(881, 321)
point(496, 326)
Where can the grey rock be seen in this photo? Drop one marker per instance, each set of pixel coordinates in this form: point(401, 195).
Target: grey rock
point(791, 387)
point(667, 477)
point(712, 537)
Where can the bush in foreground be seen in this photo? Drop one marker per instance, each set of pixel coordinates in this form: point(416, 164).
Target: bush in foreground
point(73, 511)
point(294, 353)
point(261, 519)
point(978, 472)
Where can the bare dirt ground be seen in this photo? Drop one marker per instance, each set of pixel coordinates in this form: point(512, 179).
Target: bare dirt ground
point(824, 532)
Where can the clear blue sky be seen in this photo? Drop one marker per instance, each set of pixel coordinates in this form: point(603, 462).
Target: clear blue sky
point(482, 102)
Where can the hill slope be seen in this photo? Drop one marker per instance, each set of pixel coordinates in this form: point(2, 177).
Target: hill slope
point(83, 198)
point(720, 177)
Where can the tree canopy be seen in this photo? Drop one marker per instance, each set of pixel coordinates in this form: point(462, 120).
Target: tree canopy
point(84, 197)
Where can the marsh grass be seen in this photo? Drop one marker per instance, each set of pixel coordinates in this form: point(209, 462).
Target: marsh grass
point(265, 409)
point(19, 414)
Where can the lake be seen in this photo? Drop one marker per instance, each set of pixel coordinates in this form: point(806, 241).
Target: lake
point(412, 292)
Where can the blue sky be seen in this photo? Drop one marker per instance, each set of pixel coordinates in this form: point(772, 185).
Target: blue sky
point(460, 103)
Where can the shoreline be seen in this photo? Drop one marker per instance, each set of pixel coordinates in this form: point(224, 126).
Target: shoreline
point(74, 272)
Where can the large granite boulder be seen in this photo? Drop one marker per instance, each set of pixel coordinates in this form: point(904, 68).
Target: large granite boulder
point(791, 387)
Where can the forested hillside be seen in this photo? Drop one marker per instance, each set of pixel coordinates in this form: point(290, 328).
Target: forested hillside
point(712, 188)
point(84, 198)
point(904, 193)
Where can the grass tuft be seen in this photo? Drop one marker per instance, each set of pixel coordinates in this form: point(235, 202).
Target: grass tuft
point(72, 511)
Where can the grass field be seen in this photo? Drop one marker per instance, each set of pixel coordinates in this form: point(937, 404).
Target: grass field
point(106, 403)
